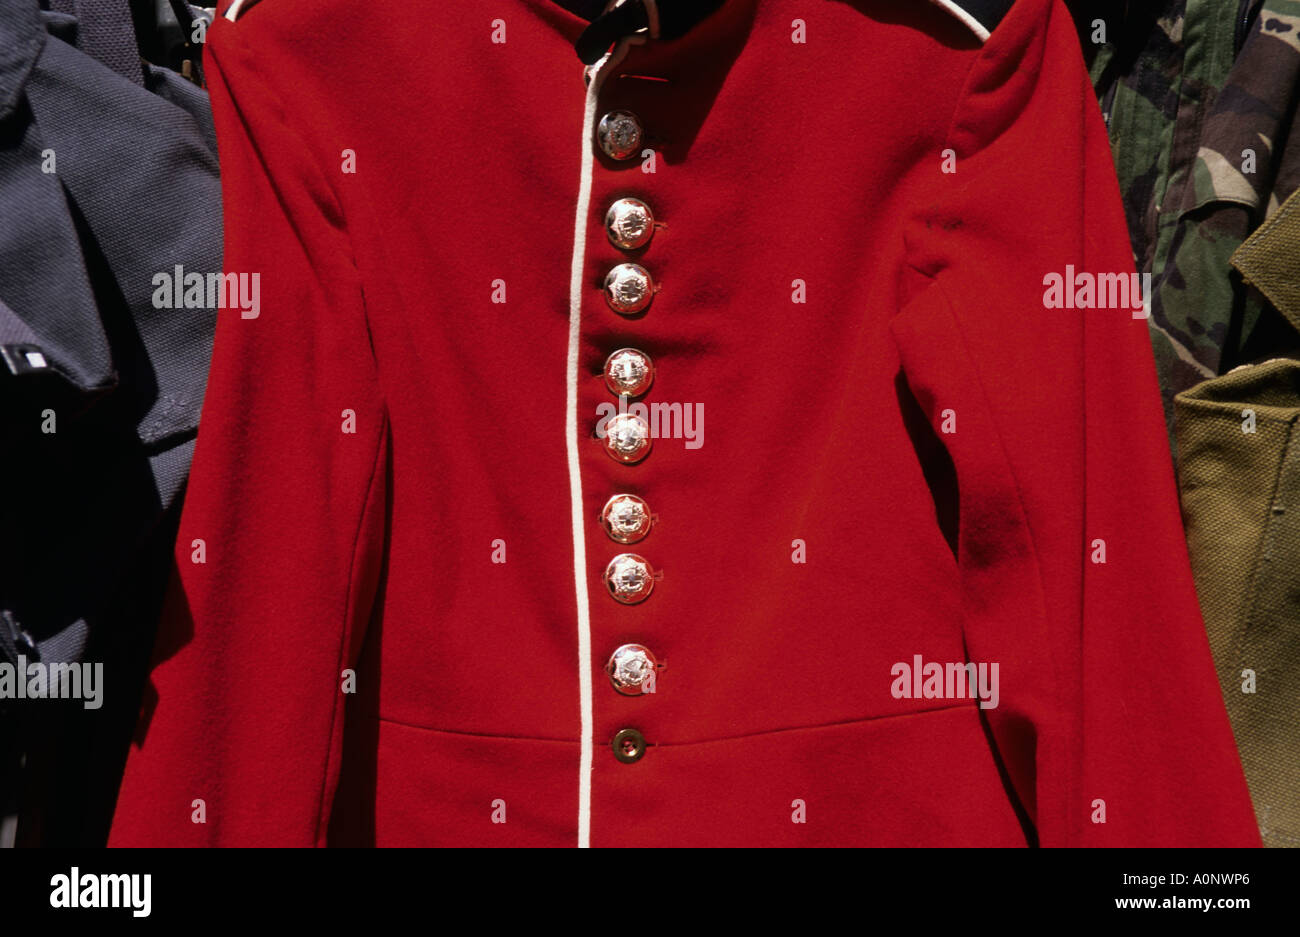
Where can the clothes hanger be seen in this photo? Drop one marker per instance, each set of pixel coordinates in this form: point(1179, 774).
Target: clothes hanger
point(233, 11)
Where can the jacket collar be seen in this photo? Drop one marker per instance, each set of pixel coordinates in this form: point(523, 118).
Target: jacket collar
point(1266, 259)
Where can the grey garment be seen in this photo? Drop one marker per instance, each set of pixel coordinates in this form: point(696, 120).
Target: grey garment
point(104, 184)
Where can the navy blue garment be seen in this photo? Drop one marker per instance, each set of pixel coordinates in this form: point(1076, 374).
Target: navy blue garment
point(135, 190)
point(108, 177)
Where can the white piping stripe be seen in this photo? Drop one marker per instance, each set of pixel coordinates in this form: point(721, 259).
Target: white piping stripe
point(975, 25)
point(595, 76)
point(575, 474)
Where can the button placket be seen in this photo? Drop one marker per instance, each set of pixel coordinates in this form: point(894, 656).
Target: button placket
point(629, 289)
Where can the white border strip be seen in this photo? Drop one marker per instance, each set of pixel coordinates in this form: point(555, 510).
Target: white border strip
point(975, 25)
point(595, 77)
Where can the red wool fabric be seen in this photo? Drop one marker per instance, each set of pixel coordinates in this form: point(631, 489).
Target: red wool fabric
point(776, 161)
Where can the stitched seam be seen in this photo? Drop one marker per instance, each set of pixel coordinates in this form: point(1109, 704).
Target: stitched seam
point(726, 738)
point(1231, 412)
point(1041, 613)
point(1267, 544)
point(962, 95)
point(965, 93)
point(826, 725)
point(339, 702)
point(250, 61)
point(284, 115)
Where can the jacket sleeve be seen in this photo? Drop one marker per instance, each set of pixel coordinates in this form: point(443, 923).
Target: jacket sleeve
point(1073, 563)
point(278, 555)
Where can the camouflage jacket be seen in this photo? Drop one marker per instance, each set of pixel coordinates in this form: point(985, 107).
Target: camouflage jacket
point(1199, 97)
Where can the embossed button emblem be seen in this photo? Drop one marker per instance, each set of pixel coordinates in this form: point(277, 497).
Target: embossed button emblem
point(629, 578)
point(629, 224)
point(628, 289)
point(619, 134)
point(626, 518)
point(627, 438)
point(630, 372)
point(631, 669)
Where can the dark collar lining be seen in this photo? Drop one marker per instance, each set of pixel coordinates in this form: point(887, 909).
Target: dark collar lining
point(587, 9)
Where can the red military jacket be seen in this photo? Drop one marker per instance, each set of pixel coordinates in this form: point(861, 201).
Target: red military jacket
point(397, 604)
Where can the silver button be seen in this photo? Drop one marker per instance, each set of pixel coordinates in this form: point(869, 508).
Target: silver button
point(631, 669)
point(628, 289)
point(629, 224)
point(619, 134)
point(626, 518)
point(627, 438)
point(629, 578)
point(629, 372)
